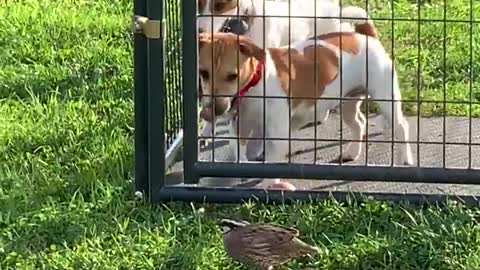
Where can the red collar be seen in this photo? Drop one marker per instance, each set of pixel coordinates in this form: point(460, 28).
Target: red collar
point(253, 82)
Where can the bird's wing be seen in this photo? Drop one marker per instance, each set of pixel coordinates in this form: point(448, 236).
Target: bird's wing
point(268, 238)
point(262, 236)
point(292, 231)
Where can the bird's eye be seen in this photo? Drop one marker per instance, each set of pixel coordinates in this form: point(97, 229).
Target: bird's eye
point(204, 74)
point(232, 77)
point(226, 229)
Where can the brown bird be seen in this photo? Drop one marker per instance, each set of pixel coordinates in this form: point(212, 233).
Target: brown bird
point(262, 246)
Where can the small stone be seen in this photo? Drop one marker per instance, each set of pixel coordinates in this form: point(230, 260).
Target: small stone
point(139, 194)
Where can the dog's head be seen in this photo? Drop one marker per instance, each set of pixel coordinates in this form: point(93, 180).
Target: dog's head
point(227, 62)
point(224, 16)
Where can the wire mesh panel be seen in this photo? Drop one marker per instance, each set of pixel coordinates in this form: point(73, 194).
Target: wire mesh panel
point(324, 90)
point(412, 34)
point(173, 71)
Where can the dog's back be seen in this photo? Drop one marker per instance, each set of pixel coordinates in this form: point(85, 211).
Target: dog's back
point(276, 28)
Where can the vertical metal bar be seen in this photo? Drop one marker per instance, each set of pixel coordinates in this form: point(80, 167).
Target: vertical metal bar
point(367, 100)
point(239, 109)
point(140, 103)
point(264, 127)
point(367, 86)
point(340, 101)
point(392, 125)
point(156, 101)
point(212, 90)
point(419, 66)
point(290, 101)
point(190, 86)
point(471, 89)
point(444, 47)
point(315, 120)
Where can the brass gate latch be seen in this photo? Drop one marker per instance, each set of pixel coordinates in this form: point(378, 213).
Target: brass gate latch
point(148, 27)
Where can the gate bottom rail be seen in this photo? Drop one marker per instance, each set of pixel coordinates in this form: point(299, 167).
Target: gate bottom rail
point(406, 174)
point(193, 193)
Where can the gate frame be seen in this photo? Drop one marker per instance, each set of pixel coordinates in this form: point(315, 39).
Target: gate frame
point(149, 100)
point(150, 169)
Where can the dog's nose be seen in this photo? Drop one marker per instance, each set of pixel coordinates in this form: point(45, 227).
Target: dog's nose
point(207, 114)
point(208, 103)
point(237, 26)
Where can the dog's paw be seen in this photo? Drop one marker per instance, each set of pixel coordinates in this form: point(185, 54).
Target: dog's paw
point(260, 157)
point(407, 163)
point(406, 160)
point(204, 142)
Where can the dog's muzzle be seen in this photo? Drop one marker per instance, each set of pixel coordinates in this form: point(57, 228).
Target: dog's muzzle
point(236, 25)
point(218, 107)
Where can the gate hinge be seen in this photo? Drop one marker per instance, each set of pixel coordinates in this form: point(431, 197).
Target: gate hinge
point(148, 27)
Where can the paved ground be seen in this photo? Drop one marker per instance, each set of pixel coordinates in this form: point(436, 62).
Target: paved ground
point(431, 154)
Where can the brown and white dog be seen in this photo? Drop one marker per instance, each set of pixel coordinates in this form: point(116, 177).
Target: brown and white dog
point(273, 28)
point(308, 18)
point(316, 67)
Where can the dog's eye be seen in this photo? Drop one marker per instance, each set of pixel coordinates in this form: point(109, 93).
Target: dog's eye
point(232, 77)
point(204, 74)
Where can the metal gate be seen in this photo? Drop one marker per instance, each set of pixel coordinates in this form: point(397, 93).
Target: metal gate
point(166, 93)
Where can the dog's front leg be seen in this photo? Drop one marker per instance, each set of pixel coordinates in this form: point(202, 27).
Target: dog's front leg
point(207, 131)
point(277, 130)
point(355, 120)
point(238, 146)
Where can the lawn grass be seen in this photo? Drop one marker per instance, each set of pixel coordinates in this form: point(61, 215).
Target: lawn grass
point(66, 159)
point(436, 61)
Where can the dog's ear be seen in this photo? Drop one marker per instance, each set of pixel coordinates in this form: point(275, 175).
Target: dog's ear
point(248, 48)
point(204, 38)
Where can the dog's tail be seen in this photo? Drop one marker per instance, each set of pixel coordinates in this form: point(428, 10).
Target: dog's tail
point(359, 18)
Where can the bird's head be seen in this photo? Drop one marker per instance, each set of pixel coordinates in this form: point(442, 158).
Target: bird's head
point(229, 225)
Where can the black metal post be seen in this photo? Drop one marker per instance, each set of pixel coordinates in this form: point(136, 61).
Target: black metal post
point(156, 101)
point(140, 102)
point(190, 80)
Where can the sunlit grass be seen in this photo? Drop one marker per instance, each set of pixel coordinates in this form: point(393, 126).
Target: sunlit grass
point(66, 156)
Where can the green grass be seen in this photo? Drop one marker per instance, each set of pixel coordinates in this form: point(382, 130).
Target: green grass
point(66, 138)
point(441, 78)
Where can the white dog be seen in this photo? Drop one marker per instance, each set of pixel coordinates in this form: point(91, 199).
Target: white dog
point(275, 29)
point(316, 68)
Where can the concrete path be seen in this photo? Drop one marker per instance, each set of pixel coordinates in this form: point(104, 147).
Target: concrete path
point(431, 154)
